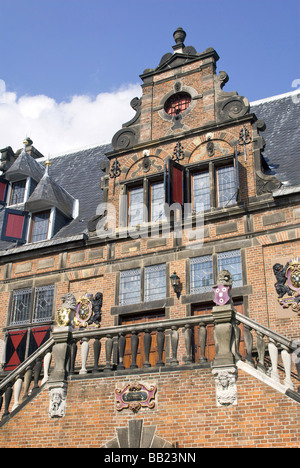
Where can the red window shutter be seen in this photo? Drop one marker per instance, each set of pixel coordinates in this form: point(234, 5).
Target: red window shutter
point(14, 226)
point(15, 349)
point(175, 183)
point(3, 186)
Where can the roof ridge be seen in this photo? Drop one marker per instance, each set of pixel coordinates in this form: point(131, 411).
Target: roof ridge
point(75, 151)
point(275, 98)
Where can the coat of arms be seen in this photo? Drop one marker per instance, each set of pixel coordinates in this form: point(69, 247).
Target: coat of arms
point(288, 284)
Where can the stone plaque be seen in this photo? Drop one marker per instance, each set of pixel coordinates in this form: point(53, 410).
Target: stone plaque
point(135, 396)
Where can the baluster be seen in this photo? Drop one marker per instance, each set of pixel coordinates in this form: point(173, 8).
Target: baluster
point(36, 374)
point(287, 364)
point(236, 339)
point(84, 355)
point(160, 345)
point(73, 356)
point(147, 347)
point(97, 351)
point(17, 392)
point(134, 348)
point(108, 352)
point(174, 345)
point(273, 351)
point(47, 362)
point(248, 338)
point(188, 343)
point(122, 345)
point(202, 340)
point(27, 381)
point(261, 349)
point(7, 400)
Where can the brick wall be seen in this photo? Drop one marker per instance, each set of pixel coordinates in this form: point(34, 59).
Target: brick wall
point(186, 413)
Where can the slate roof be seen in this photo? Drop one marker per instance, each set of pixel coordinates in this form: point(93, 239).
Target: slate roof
point(281, 115)
point(79, 173)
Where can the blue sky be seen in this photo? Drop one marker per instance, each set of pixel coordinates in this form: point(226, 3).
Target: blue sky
point(96, 50)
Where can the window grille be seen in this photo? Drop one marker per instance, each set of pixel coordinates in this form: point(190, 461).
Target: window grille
point(155, 282)
point(177, 103)
point(130, 287)
point(21, 307)
point(201, 274)
point(43, 304)
point(231, 261)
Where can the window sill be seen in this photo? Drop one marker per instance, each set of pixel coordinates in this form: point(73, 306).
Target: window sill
point(142, 307)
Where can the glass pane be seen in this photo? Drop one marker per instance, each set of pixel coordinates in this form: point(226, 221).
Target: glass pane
point(155, 282)
point(21, 307)
point(40, 224)
point(201, 191)
point(43, 305)
point(130, 287)
point(18, 192)
point(226, 186)
point(231, 261)
point(157, 202)
point(136, 212)
point(201, 274)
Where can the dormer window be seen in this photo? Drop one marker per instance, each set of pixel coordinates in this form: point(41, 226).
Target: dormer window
point(17, 195)
point(40, 226)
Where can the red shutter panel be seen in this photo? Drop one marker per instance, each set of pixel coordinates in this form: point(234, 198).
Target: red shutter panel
point(3, 186)
point(14, 226)
point(175, 183)
point(15, 349)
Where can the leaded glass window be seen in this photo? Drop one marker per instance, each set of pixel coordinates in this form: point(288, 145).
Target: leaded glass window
point(226, 186)
point(39, 226)
point(201, 191)
point(155, 282)
point(201, 274)
point(136, 206)
point(21, 307)
point(18, 192)
point(43, 304)
point(231, 261)
point(157, 201)
point(130, 287)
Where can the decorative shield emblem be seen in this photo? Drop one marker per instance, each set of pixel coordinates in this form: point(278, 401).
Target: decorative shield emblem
point(288, 284)
point(221, 294)
point(83, 311)
point(63, 316)
point(135, 396)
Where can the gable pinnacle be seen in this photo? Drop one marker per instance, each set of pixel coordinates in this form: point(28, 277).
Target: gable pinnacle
point(179, 36)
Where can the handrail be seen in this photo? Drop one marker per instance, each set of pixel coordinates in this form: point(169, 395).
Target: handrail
point(27, 363)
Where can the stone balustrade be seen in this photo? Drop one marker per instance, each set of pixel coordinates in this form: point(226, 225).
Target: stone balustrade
point(90, 351)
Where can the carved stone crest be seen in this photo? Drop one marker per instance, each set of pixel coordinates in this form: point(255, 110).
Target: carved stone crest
point(135, 396)
point(65, 314)
point(288, 284)
point(226, 389)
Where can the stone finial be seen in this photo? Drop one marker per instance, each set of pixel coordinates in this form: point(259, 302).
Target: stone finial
point(179, 36)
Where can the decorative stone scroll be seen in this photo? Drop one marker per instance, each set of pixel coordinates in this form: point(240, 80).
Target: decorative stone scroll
point(135, 396)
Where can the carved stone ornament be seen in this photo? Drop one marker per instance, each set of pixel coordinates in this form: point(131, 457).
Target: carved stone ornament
point(57, 405)
point(288, 284)
point(135, 396)
point(226, 389)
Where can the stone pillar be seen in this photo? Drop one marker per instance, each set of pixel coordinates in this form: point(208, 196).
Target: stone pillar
point(57, 383)
point(223, 316)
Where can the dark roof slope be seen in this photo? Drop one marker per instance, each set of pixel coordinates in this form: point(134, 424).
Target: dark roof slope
point(281, 115)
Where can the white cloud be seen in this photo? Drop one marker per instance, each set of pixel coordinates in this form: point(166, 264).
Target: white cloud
point(61, 127)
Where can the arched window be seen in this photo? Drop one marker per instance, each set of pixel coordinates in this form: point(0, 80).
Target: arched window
point(177, 103)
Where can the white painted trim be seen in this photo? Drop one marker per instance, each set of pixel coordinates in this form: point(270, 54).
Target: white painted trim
point(275, 98)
